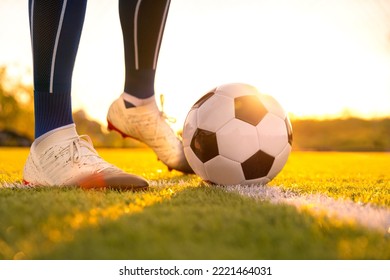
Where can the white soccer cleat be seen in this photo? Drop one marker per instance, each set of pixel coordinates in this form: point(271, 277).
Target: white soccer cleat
point(147, 124)
point(63, 158)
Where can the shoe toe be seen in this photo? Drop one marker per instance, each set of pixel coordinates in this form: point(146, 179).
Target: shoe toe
point(181, 165)
point(122, 181)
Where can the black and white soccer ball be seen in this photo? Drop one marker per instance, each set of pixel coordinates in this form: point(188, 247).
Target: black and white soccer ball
point(236, 135)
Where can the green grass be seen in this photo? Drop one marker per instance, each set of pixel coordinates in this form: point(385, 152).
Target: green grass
point(182, 218)
point(362, 177)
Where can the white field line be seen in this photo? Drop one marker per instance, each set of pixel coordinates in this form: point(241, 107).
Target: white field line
point(367, 215)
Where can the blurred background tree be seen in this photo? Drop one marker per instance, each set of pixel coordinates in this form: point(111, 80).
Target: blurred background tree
point(16, 106)
point(342, 134)
point(349, 134)
point(17, 117)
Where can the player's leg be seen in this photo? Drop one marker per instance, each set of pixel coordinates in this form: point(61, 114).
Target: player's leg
point(135, 114)
point(55, 33)
point(143, 25)
point(59, 156)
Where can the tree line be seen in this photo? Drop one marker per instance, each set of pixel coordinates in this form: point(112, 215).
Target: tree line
point(348, 134)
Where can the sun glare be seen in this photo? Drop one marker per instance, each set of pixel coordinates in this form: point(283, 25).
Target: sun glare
point(316, 60)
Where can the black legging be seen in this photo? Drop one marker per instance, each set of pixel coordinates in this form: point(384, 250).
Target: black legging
point(56, 27)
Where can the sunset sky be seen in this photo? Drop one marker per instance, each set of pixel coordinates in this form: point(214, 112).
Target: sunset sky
point(317, 57)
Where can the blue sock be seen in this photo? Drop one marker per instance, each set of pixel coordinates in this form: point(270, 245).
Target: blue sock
point(48, 114)
point(55, 27)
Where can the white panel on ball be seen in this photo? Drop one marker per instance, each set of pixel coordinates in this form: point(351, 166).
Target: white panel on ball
point(223, 171)
point(279, 162)
point(272, 133)
point(215, 112)
point(273, 106)
point(236, 89)
point(190, 127)
point(237, 140)
point(196, 164)
point(259, 181)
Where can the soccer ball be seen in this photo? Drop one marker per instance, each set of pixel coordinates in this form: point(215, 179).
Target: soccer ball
point(236, 135)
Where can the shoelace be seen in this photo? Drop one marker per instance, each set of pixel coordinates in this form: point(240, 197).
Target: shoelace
point(79, 157)
point(163, 114)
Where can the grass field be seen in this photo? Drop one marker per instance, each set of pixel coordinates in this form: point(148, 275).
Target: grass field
point(180, 217)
